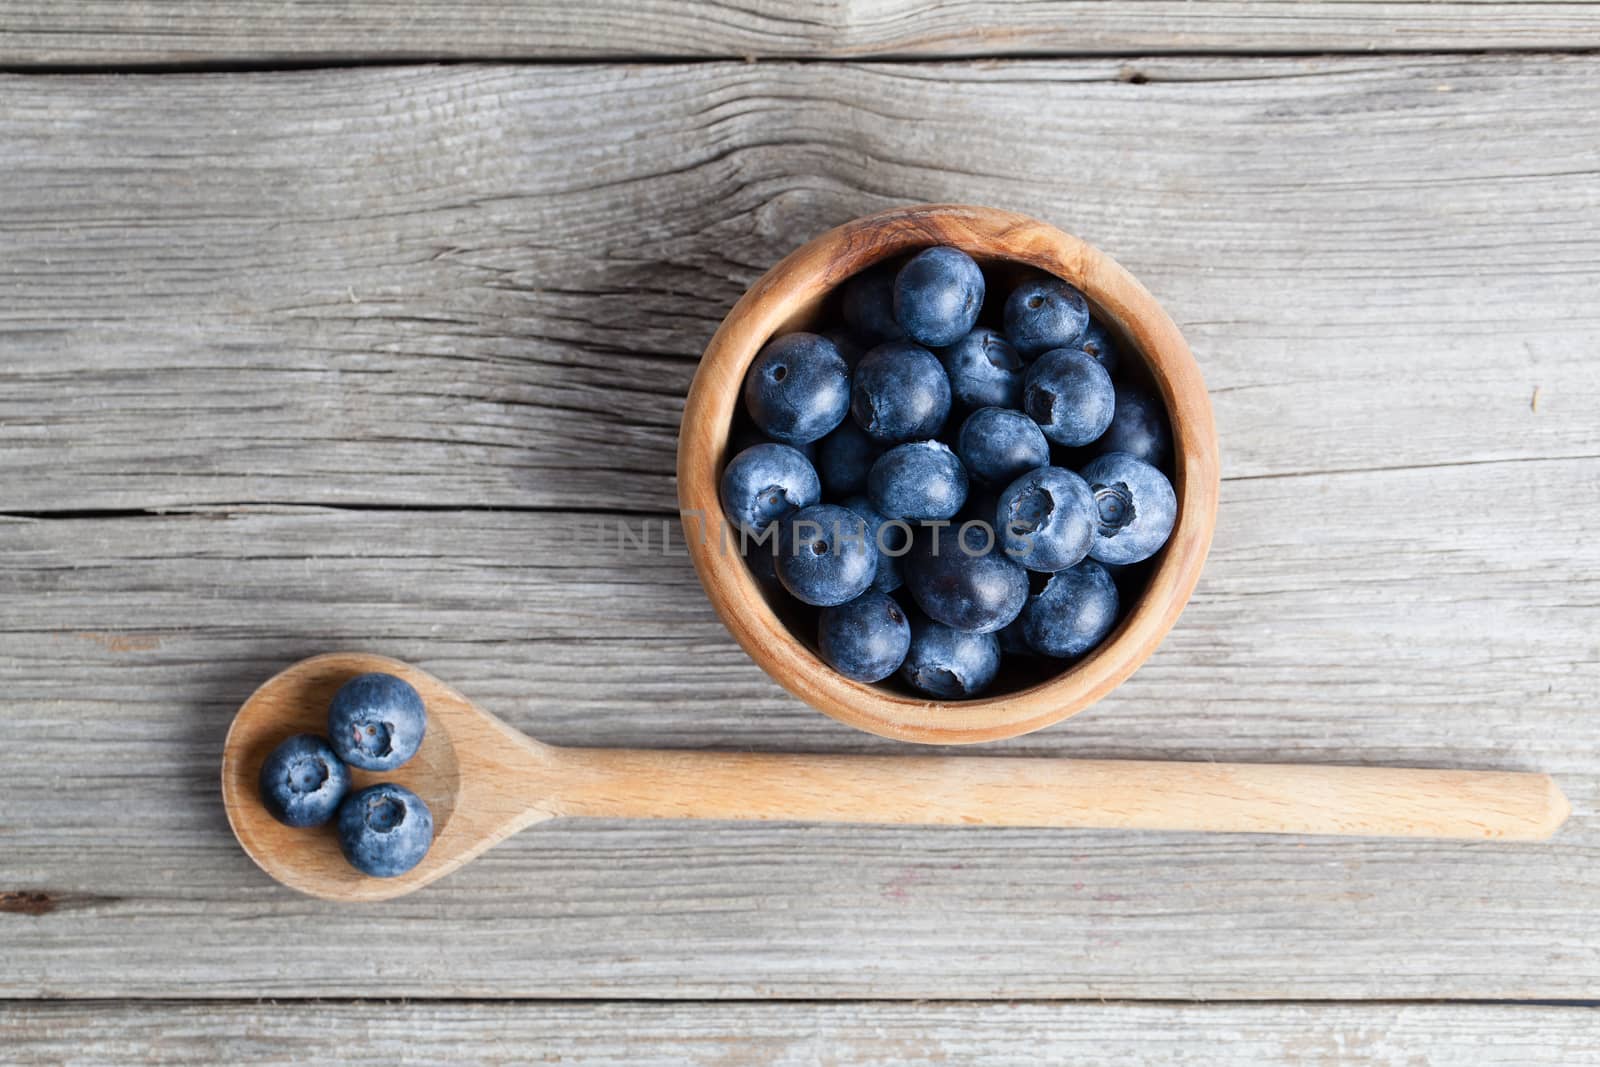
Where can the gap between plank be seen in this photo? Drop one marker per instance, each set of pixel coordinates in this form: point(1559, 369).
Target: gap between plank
point(291, 64)
point(1129, 1002)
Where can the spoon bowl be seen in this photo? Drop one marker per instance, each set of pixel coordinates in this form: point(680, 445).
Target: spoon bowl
point(470, 813)
point(484, 780)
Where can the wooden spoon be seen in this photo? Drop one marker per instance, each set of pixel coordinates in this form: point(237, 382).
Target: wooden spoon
point(484, 781)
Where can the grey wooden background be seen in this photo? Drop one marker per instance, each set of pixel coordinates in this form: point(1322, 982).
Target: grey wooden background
point(308, 342)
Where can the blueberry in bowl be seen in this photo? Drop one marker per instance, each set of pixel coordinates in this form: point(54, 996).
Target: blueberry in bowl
point(1047, 519)
point(1010, 376)
point(920, 481)
point(961, 577)
point(900, 392)
point(765, 482)
point(1069, 394)
point(798, 389)
point(866, 638)
point(1000, 445)
point(826, 555)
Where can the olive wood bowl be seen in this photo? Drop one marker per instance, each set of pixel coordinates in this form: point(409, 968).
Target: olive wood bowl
point(793, 295)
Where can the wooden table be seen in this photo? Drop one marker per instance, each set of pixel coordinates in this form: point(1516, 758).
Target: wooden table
point(309, 342)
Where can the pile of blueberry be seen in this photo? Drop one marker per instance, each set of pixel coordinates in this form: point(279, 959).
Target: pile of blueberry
point(375, 722)
point(1003, 467)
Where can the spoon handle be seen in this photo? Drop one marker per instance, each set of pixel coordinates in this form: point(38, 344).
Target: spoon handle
point(1006, 791)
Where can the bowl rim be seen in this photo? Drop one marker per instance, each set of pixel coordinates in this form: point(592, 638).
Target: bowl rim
point(799, 280)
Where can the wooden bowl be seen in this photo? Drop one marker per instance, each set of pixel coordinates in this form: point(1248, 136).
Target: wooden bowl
point(789, 297)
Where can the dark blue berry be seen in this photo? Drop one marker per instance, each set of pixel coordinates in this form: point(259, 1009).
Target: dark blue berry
point(384, 830)
point(1047, 519)
point(900, 393)
point(798, 388)
point(1074, 612)
point(998, 445)
point(843, 459)
point(865, 639)
point(1098, 342)
point(949, 664)
point(937, 296)
point(959, 577)
point(376, 722)
point(303, 781)
point(984, 370)
point(891, 539)
point(1070, 396)
point(920, 481)
point(869, 305)
point(826, 555)
point(1045, 313)
point(1139, 428)
point(764, 483)
point(1137, 508)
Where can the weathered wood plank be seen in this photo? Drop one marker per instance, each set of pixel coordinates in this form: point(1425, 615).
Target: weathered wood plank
point(421, 287)
point(488, 286)
point(779, 1035)
point(130, 641)
point(112, 32)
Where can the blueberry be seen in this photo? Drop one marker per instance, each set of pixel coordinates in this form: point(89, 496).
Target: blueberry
point(869, 305)
point(865, 639)
point(303, 781)
point(959, 577)
point(1047, 519)
point(1139, 428)
point(843, 459)
point(1098, 342)
point(1076, 610)
point(998, 445)
point(920, 481)
point(1136, 504)
point(376, 722)
point(798, 388)
point(948, 663)
point(891, 539)
point(901, 393)
point(937, 296)
point(385, 830)
point(764, 483)
point(826, 555)
point(1070, 396)
point(984, 370)
point(1045, 313)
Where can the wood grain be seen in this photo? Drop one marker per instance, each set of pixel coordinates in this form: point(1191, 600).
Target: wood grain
point(478, 288)
point(452, 287)
point(797, 1035)
point(155, 629)
point(118, 32)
